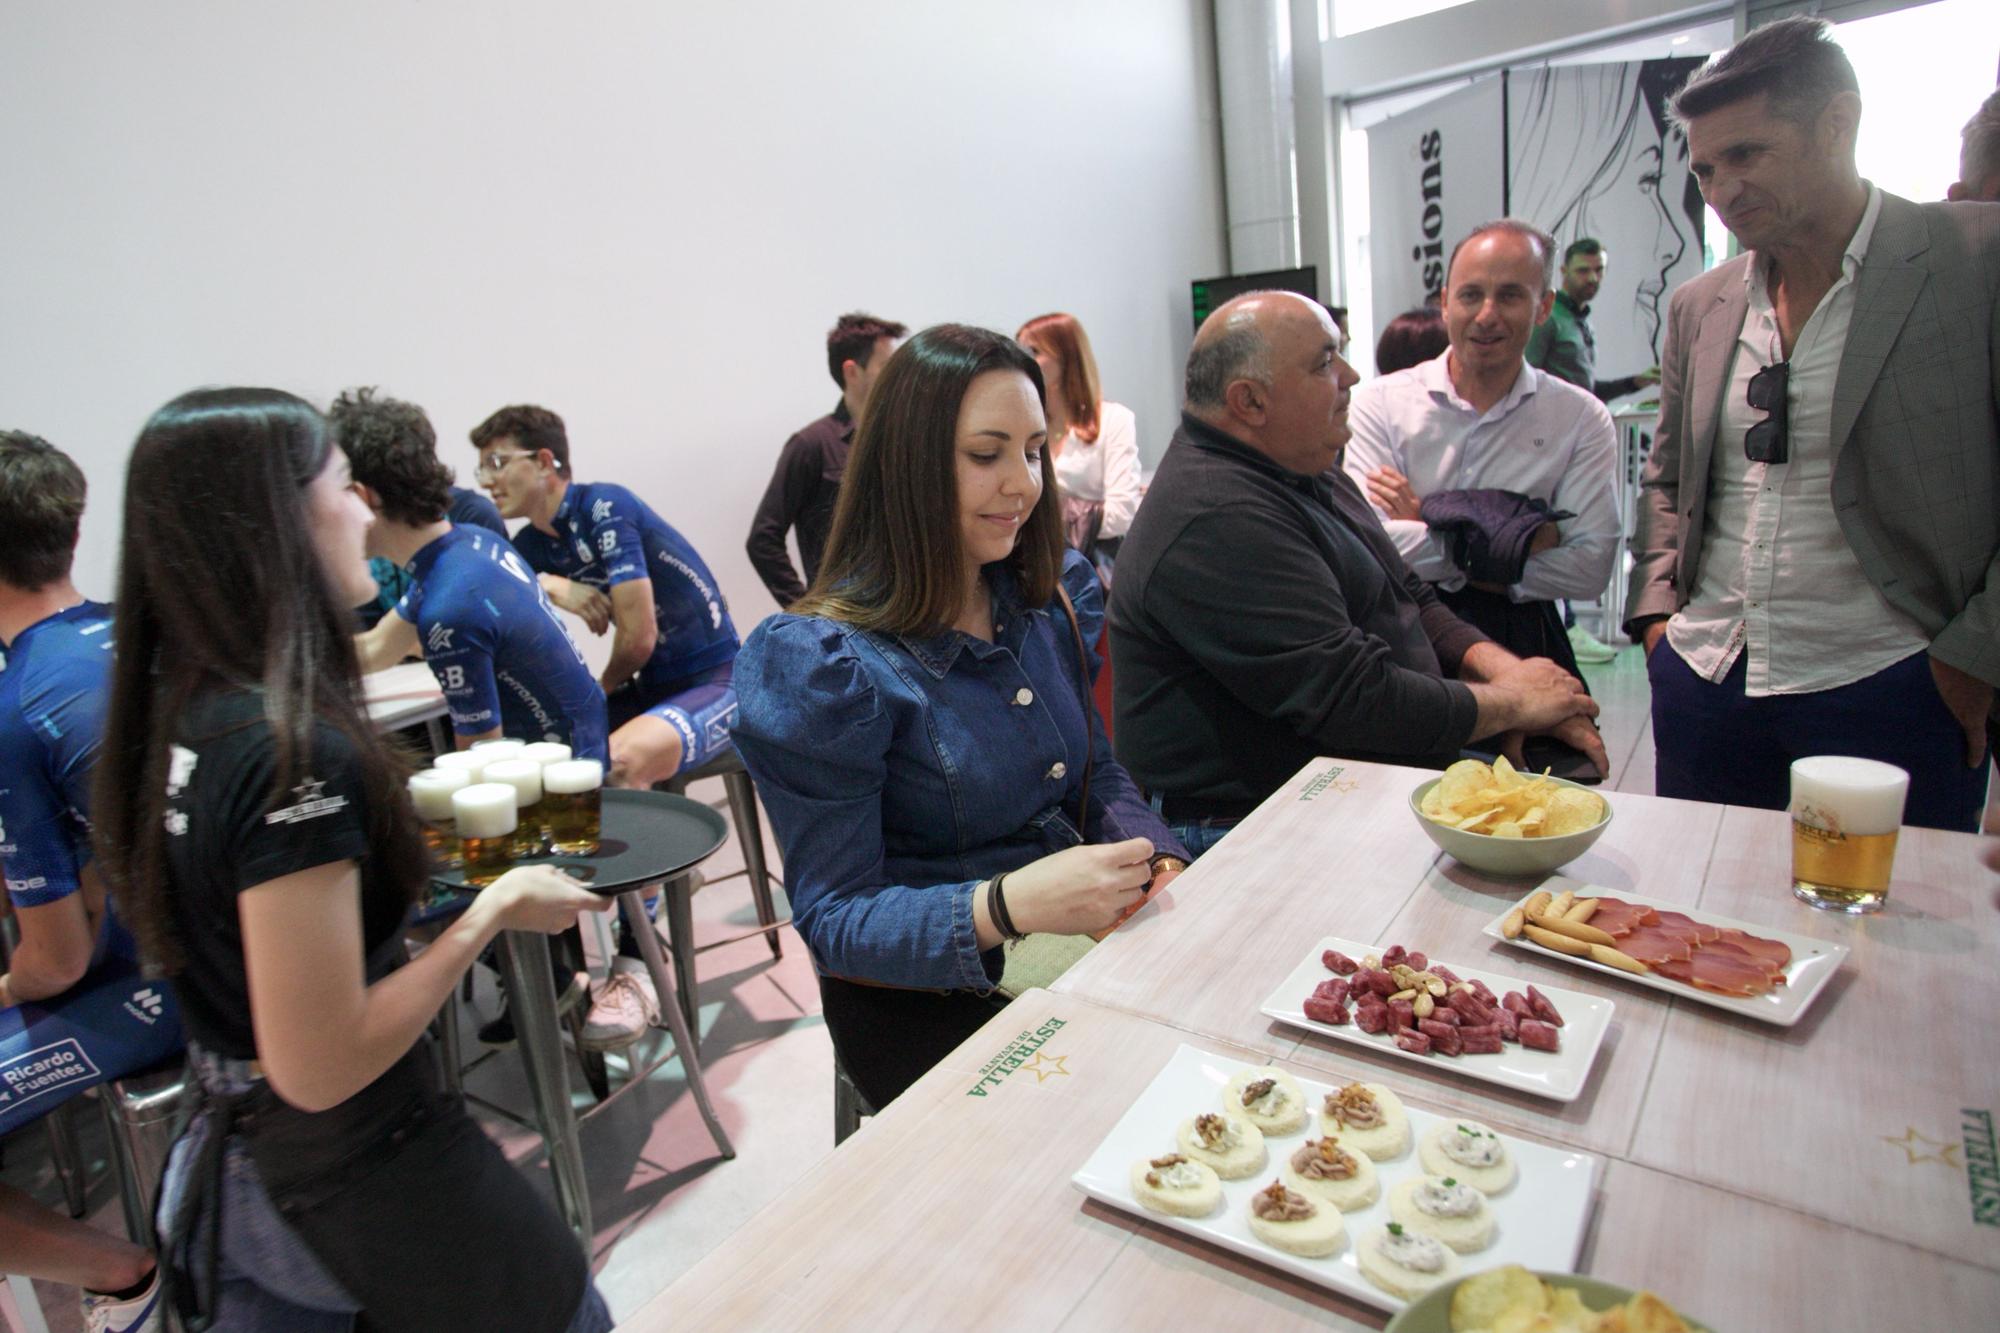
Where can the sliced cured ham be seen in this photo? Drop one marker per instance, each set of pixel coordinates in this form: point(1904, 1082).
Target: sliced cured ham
point(1681, 922)
point(1616, 916)
point(1655, 945)
point(1774, 954)
point(1725, 971)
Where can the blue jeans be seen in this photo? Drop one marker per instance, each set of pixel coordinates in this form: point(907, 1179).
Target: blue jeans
point(1197, 835)
point(271, 1282)
point(1712, 742)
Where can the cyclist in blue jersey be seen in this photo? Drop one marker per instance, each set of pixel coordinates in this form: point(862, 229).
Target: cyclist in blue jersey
point(603, 554)
point(667, 683)
point(75, 1009)
point(474, 610)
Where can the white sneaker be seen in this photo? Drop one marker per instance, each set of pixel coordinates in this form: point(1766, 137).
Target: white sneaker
point(140, 1314)
point(1587, 648)
point(622, 1008)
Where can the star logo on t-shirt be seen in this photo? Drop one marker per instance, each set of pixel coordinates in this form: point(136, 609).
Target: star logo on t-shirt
point(600, 510)
point(439, 639)
point(311, 803)
point(309, 790)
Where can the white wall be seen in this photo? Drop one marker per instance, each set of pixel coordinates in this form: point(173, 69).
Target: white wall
point(642, 214)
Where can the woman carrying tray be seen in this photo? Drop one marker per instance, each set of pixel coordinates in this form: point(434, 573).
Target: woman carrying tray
point(920, 726)
point(256, 832)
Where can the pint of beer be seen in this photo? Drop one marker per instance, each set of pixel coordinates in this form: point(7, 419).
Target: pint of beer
point(498, 748)
point(485, 815)
point(546, 752)
point(524, 777)
point(431, 792)
point(572, 802)
point(469, 762)
point(1845, 814)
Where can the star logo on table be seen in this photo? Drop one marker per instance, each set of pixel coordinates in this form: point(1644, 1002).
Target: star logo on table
point(1920, 1148)
point(1352, 784)
point(1044, 1067)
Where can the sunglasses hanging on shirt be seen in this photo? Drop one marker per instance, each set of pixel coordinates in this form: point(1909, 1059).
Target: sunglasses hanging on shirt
point(1766, 441)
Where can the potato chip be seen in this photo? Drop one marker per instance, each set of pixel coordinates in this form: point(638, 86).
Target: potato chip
point(1482, 1299)
point(1473, 822)
point(1507, 828)
point(1647, 1313)
point(1505, 776)
point(1461, 780)
point(1433, 803)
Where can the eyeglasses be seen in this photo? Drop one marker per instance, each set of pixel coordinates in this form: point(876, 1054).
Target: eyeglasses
point(1766, 441)
point(494, 464)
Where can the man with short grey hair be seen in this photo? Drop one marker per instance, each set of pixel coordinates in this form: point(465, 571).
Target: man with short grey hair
point(1817, 558)
point(1261, 616)
point(1979, 156)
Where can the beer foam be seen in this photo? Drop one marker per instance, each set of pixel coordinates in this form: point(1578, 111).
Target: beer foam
point(572, 776)
point(1848, 795)
point(431, 791)
point(472, 763)
point(484, 810)
point(546, 752)
point(524, 776)
point(495, 750)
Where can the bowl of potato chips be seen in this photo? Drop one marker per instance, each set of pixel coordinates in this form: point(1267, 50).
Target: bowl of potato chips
point(1501, 821)
point(1514, 1300)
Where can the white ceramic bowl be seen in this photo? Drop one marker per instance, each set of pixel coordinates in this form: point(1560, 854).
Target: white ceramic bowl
point(1508, 856)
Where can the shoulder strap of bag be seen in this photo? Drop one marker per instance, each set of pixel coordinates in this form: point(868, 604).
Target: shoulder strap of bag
point(1083, 697)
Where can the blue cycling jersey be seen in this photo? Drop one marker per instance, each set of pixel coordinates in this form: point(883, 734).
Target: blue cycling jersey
point(52, 699)
point(497, 648)
point(605, 535)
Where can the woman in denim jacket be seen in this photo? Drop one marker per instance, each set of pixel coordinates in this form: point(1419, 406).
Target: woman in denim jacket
point(918, 726)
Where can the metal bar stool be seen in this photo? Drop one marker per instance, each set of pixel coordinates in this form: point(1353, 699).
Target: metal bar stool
point(680, 890)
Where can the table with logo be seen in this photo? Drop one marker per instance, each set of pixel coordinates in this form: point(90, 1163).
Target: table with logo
point(1839, 1173)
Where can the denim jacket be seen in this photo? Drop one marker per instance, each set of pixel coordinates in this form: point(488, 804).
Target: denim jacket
point(900, 773)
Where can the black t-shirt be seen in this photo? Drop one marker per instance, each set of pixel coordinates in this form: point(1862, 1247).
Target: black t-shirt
point(226, 834)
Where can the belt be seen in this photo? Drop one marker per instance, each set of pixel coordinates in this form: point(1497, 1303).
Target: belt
point(1189, 809)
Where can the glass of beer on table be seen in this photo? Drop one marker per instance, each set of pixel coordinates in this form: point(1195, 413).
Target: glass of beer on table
point(1845, 815)
point(572, 803)
point(525, 777)
point(485, 816)
point(498, 748)
point(431, 791)
point(545, 752)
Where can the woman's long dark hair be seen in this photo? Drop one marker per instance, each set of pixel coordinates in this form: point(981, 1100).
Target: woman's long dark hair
point(895, 562)
point(220, 587)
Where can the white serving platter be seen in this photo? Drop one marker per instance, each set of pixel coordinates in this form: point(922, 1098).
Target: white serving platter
point(1541, 1217)
point(1558, 1075)
point(1813, 961)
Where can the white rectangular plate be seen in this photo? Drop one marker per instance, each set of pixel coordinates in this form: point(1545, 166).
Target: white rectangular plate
point(1558, 1075)
point(1813, 961)
point(1540, 1218)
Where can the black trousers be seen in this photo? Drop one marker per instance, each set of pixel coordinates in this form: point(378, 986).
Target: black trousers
point(888, 1039)
point(1527, 629)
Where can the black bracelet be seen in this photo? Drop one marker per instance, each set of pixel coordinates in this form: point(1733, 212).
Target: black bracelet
point(996, 907)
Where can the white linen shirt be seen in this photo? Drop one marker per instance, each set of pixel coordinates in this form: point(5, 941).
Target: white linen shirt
point(1105, 472)
point(1545, 439)
point(1778, 579)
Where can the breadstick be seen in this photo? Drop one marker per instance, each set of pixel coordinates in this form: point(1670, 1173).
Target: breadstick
point(1510, 926)
point(1538, 902)
point(1576, 930)
point(1563, 902)
point(1548, 939)
point(1611, 957)
point(1585, 909)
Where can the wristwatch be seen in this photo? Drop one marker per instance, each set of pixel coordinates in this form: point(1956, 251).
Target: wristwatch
point(1164, 862)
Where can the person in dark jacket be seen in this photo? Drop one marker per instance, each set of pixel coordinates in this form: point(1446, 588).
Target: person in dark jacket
point(1265, 617)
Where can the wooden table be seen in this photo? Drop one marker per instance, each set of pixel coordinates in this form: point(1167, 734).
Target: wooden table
point(1873, 1114)
point(953, 1209)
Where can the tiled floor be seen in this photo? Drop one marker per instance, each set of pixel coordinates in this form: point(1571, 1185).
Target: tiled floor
point(662, 1198)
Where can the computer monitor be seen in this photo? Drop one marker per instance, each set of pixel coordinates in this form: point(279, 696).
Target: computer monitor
point(1209, 293)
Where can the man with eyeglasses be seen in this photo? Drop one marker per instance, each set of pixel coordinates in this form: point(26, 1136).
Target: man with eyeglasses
point(1818, 539)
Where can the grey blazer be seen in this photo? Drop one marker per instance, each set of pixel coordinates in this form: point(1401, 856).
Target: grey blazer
point(1916, 428)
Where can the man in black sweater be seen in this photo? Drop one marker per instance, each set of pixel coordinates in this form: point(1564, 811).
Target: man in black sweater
point(1262, 617)
point(807, 479)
